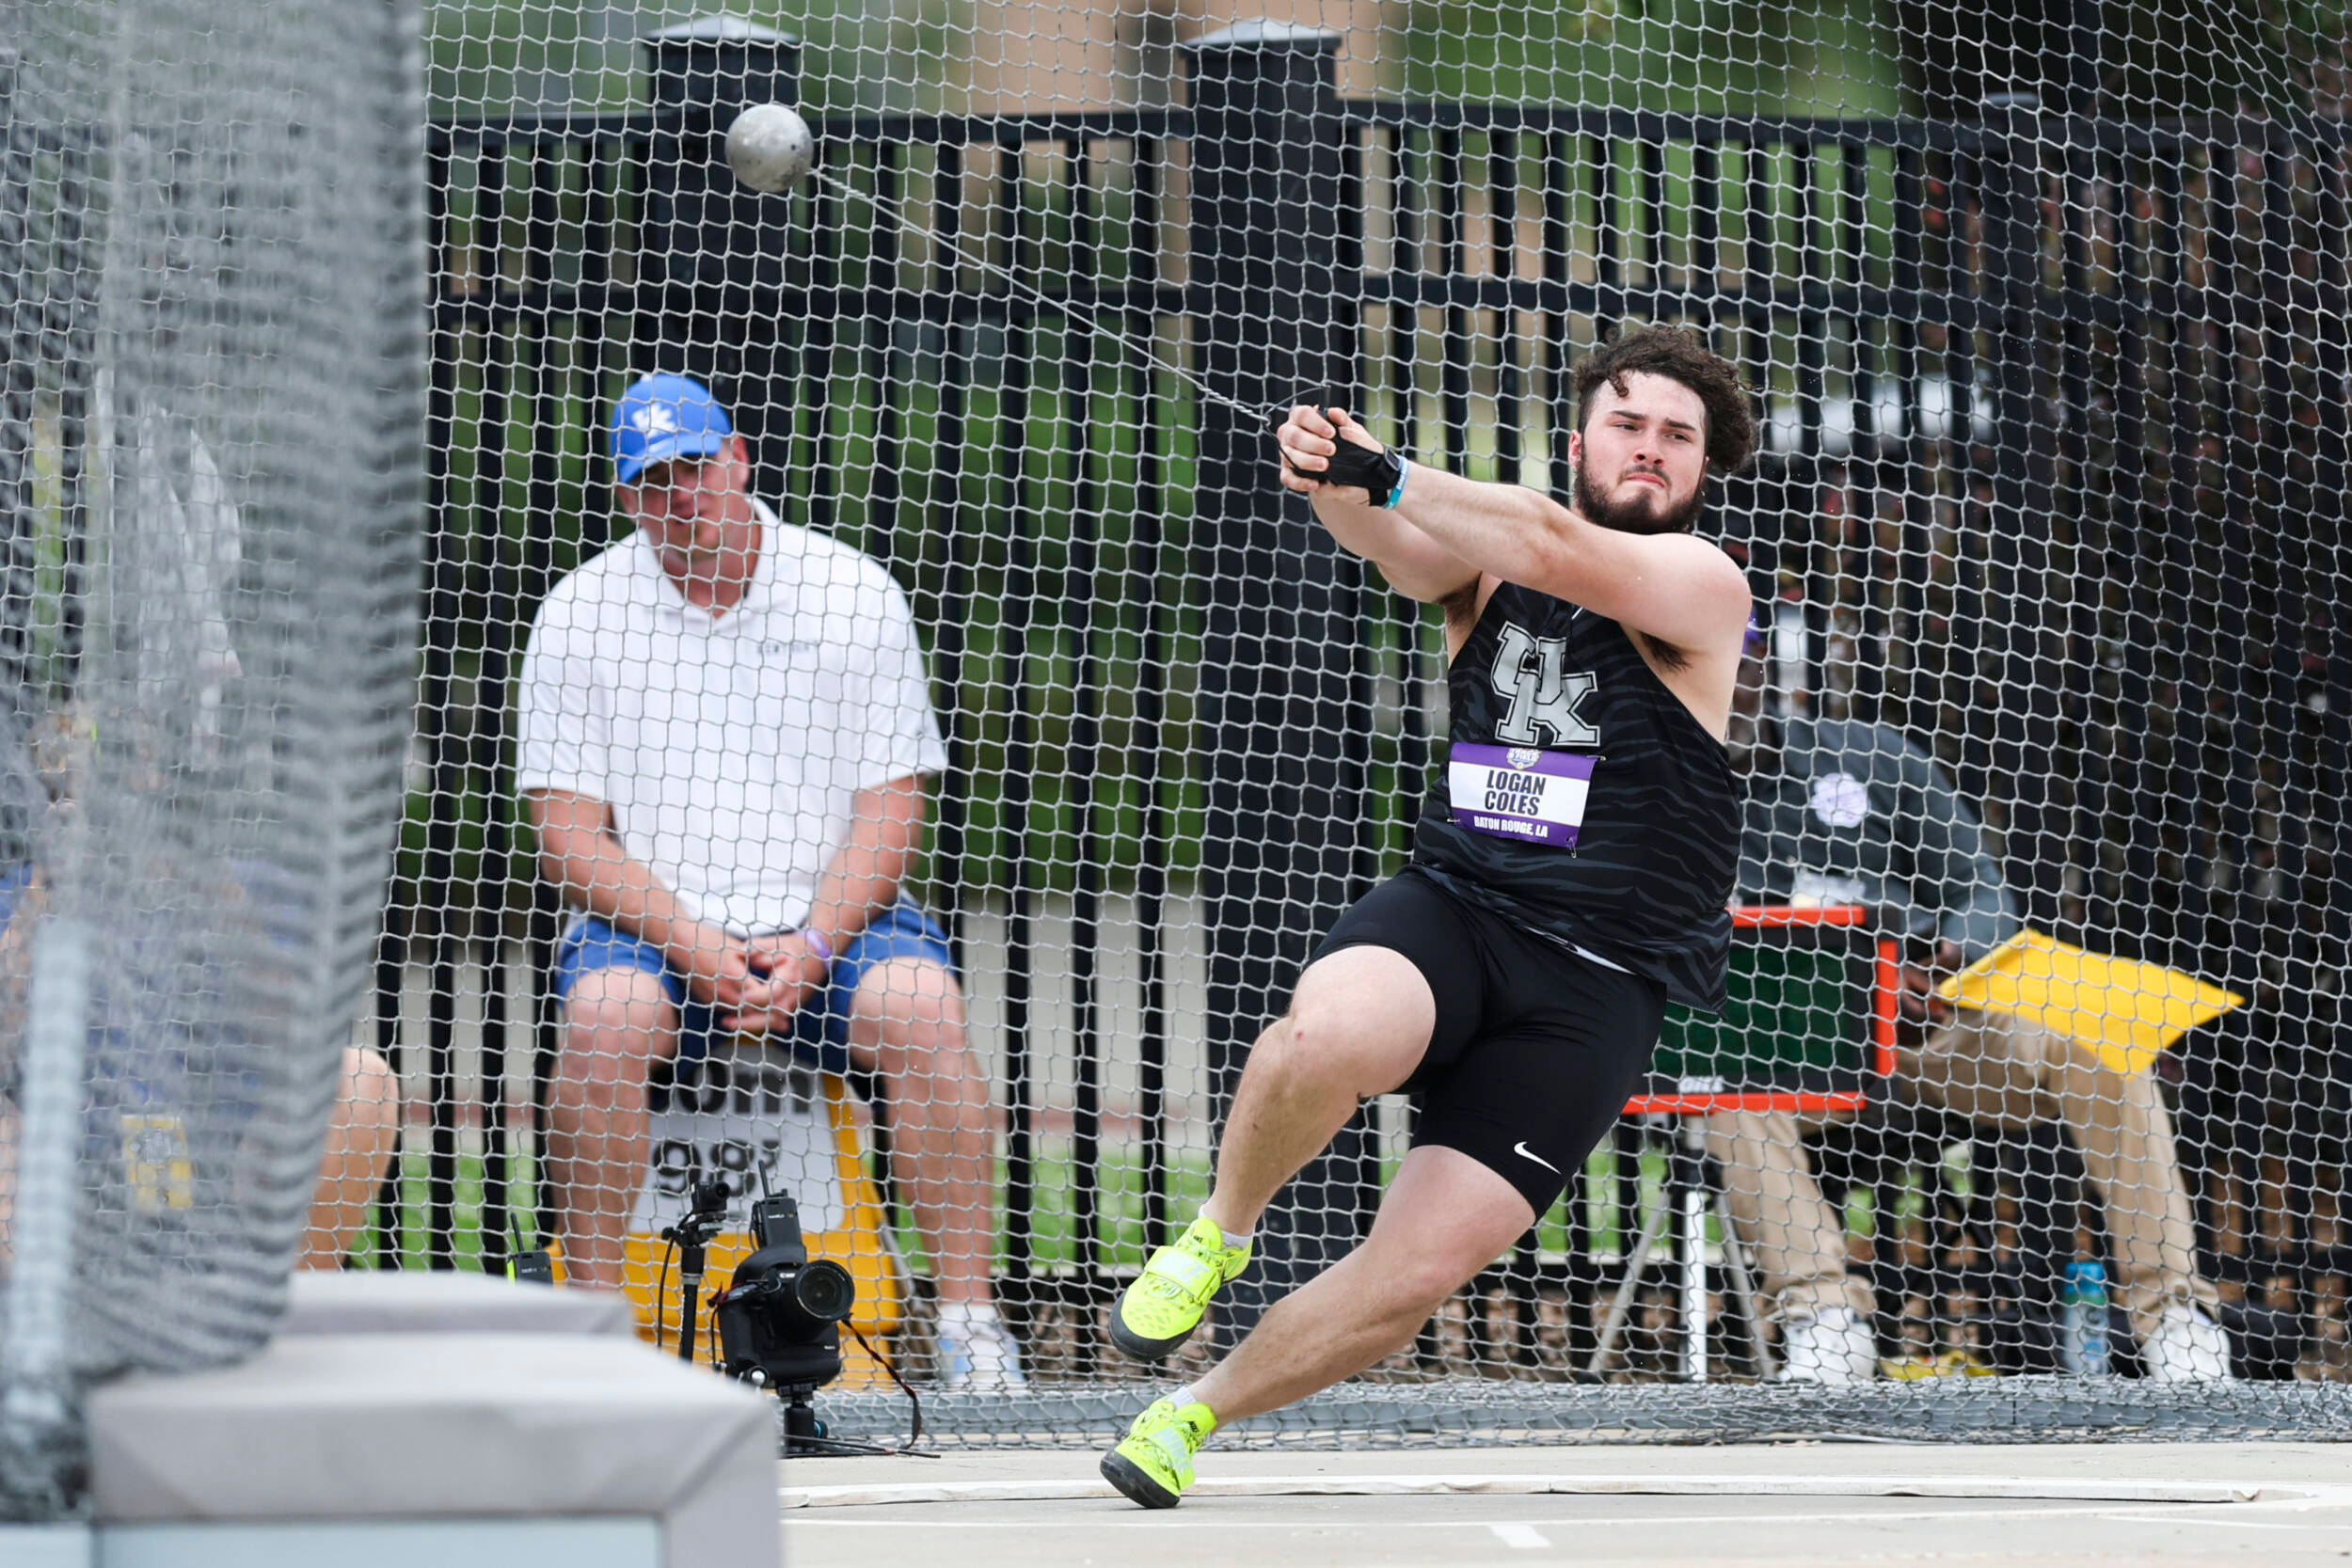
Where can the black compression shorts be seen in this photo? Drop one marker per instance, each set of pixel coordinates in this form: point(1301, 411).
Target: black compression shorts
point(1536, 1049)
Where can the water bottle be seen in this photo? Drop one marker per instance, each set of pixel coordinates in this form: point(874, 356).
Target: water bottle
point(2083, 1319)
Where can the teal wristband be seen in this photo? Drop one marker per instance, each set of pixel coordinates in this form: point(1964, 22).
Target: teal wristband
point(1403, 472)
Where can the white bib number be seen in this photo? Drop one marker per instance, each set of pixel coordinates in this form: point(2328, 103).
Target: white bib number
point(1519, 792)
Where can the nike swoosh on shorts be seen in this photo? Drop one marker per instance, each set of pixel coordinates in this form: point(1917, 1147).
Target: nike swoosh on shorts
point(1521, 1148)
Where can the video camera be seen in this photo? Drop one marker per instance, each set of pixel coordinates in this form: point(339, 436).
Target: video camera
point(779, 1319)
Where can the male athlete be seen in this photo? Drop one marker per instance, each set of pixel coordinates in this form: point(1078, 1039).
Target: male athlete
point(1569, 877)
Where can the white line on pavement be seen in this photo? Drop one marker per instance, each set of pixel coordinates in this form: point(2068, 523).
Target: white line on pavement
point(2185, 1518)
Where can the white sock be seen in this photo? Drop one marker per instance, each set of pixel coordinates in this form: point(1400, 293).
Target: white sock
point(959, 1318)
point(1182, 1397)
point(1231, 1240)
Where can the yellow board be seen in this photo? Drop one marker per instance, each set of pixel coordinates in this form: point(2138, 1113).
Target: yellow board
point(766, 1118)
point(157, 1161)
point(2128, 1011)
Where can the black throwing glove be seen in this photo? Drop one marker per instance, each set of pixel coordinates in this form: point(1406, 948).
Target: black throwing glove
point(1375, 472)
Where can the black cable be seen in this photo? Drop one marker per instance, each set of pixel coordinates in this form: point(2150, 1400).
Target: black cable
point(917, 1435)
point(661, 1295)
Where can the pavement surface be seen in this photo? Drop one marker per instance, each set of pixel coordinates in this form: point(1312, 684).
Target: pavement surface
point(2169, 1505)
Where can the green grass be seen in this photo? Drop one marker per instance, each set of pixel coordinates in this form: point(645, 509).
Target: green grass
point(1054, 1238)
point(1054, 1242)
point(406, 1247)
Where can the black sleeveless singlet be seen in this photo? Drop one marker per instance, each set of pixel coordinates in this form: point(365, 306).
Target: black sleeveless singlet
point(1582, 800)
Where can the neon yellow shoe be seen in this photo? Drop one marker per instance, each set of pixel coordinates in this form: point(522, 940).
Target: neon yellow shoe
point(1153, 1464)
point(1162, 1307)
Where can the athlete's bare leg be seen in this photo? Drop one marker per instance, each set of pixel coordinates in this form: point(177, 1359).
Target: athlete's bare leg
point(1358, 1025)
point(1445, 1217)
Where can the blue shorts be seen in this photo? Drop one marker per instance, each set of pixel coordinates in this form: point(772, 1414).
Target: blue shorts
point(820, 1030)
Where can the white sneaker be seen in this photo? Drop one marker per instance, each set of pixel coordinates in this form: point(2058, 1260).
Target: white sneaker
point(977, 1351)
point(1833, 1348)
point(2186, 1347)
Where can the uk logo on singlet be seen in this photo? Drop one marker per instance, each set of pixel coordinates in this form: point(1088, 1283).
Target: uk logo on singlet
point(1545, 701)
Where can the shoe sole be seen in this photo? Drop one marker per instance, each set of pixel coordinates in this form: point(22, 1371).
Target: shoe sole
point(1135, 1486)
point(1142, 1349)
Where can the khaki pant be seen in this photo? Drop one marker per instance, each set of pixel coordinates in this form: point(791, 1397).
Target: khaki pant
point(2002, 1071)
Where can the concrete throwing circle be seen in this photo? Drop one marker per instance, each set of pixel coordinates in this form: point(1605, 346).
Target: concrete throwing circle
point(2031, 1488)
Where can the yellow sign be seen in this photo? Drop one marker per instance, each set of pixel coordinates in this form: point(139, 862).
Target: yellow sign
point(2127, 1011)
point(155, 1162)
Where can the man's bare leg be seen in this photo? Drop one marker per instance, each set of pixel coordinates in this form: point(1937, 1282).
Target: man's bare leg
point(617, 1024)
point(7, 1185)
point(1358, 1025)
point(1444, 1218)
point(360, 1145)
point(906, 1024)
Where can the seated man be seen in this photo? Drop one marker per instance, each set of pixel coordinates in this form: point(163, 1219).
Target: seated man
point(725, 730)
point(1847, 812)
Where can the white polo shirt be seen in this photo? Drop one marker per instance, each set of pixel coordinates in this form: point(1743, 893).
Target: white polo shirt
point(729, 747)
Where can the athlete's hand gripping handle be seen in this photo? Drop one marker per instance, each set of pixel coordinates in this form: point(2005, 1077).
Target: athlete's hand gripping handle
point(1326, 447)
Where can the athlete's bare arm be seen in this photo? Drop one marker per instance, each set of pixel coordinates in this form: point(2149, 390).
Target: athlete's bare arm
point(1671, 587)
point(1448, 530)
point(1452, 539)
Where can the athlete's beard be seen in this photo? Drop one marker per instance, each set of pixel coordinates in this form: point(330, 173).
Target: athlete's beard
point(1634, 516)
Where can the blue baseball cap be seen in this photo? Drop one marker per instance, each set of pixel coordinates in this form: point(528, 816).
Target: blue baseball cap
point(662, 416)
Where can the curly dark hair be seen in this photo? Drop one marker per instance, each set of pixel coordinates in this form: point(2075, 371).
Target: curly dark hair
point(1681, 355)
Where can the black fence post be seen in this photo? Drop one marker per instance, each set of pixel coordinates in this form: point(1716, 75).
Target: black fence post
point(709, 245)
point(2028, 756)
point(1276, 317)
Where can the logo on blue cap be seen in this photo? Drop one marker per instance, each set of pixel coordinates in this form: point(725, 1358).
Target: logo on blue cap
point(662, 416)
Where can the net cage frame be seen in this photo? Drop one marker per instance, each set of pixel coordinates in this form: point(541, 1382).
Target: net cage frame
point(1938, 344)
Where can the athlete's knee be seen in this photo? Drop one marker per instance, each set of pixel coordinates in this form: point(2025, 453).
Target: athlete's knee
point(1363, 1013)
point(1308, 1041)
point(1421, 1284)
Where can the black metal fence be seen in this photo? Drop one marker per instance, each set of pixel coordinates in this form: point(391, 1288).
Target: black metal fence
point(2054, 478)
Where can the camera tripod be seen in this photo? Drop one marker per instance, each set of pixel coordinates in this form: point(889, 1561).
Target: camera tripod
point(804, 1435)
point(706, 1216)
